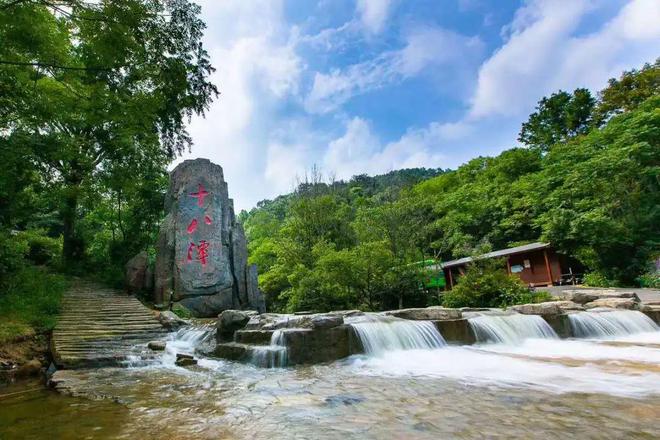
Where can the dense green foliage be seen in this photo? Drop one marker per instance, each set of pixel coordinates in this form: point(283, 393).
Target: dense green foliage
point(94, 100)
point(338, 245)
point(486, 284)
point(588, 183)
point(94, 97)
point(30, 294)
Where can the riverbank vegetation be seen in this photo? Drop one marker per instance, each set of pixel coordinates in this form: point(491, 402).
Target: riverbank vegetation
point(94, 97)
point(585, 179)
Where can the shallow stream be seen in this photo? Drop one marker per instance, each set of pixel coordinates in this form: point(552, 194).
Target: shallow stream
point(604, 387)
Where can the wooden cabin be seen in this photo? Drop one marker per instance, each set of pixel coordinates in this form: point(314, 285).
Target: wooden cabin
point(537, 264)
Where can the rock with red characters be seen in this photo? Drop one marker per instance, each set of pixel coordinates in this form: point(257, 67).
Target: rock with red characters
point(201, 257)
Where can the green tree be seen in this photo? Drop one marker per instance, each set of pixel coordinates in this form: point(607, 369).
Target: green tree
point(90, 85)
point(628, 92)
point(558, 118)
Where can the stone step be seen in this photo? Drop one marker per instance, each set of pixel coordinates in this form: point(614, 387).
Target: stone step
point(121, 321)
point(98, 327)
point(233, 351)
point(256, 337)
point(110, 325)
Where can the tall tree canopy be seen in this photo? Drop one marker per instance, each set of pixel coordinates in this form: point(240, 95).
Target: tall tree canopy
point(558, 118)
point(98, 90)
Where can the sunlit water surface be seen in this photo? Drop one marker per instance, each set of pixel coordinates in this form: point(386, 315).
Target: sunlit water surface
point(536, 388)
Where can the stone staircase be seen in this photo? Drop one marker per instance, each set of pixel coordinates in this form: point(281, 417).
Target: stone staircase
point(100, 327)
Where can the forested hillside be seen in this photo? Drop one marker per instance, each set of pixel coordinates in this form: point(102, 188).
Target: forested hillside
point(587, 179)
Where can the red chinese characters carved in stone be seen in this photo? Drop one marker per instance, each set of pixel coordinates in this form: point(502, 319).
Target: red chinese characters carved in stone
point(192, 226)
point(200, 194)
point(202, 251)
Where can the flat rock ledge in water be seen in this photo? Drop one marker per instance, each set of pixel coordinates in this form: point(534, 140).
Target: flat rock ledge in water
point(323, 337)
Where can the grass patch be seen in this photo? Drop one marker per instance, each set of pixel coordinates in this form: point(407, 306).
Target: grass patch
point(29, 302)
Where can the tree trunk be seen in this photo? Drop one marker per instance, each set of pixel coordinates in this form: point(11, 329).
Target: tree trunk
point(72, 246)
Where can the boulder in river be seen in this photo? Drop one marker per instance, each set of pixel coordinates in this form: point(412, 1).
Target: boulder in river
point(201, 258)
point(615, 303)
point(426, 313)
point(184, 360)
point(157, 345)
point(231, 320)
point(170, 321)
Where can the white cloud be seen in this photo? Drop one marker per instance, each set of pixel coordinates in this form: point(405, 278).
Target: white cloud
point(257, 69)
point(360, 151)
point(425, 47)
point(268, 127)
point(542, 53)
point(373, 14)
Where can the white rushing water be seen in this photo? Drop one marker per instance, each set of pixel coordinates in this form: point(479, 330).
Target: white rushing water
point(273, 355)
point(187, 340)
point(380, 334)
point(510, 329)
point(606, 324)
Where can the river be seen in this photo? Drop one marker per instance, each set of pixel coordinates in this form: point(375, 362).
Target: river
point(606, 385)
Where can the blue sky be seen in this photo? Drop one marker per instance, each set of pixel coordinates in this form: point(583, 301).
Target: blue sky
point(368, 86)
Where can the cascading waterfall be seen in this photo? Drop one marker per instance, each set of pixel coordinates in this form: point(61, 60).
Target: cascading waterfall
point(616, 323)
point(273, 355)
point(380, 334)
point(510, 329)
point(187, 340)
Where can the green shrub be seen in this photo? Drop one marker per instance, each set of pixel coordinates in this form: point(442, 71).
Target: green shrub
point(42, 249)
point(30, 299)
point(597, 279)
point(649, 280)
point(181, 311)
point(486, 284)
point(12, 254)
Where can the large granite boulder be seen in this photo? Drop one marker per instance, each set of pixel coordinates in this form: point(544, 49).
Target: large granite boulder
point(136, 273)
point(201, 257)
point(229, 321)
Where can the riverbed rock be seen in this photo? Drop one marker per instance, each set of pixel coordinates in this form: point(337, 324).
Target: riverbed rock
point(201, 256)
point(136, 273)
point(326, 321)
point(171, 321)
point(615, 303)
point(157, 345)
point(184, 360)
point(544, 308)
point(313, 346)
point(456, 331)
point(583, 296)
point(426, 314)
point(30, 368)
point(231, 320)
point(651, 310)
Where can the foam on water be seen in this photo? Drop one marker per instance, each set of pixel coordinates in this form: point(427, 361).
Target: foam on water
point(476, 366)
point(607, 324)
point(186, 341)
point(381, 334)
point(510, 329)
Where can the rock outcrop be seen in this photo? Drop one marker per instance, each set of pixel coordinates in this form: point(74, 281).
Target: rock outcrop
point(201, 257)
point(137, 270)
